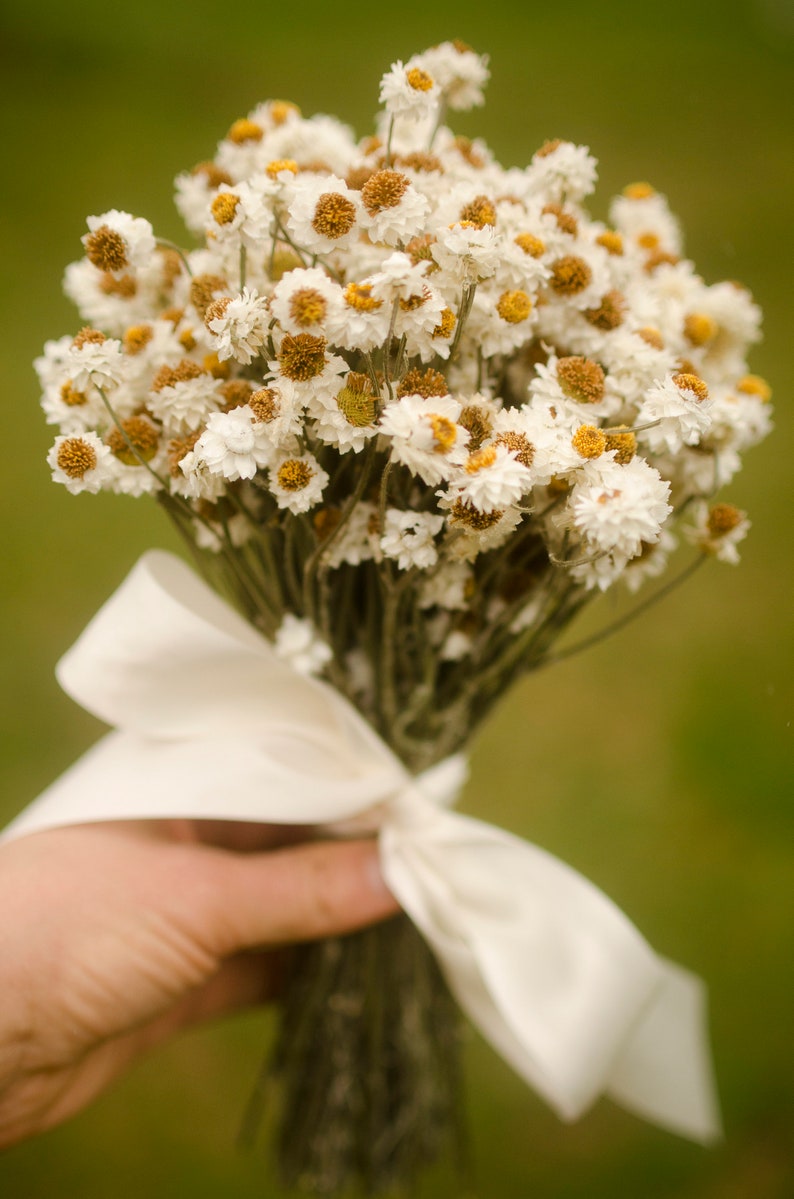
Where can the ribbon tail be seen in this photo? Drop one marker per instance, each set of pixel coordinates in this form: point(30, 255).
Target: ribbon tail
point(663, 1071)
point(550, 970)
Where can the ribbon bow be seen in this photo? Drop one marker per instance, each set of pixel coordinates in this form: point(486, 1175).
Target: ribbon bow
point(210, 723)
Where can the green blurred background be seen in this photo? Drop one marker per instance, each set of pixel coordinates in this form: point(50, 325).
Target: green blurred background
point(659, 764)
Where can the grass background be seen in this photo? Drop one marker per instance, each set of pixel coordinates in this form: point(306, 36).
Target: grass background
point(659, 764)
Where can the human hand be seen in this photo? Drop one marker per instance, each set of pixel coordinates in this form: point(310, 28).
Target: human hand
point(115, 936)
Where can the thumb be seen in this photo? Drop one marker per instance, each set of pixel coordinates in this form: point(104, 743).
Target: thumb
point(300, 893)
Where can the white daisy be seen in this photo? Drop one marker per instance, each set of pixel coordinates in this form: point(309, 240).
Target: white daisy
point(298, 642)
point(117, 241)
point(408, 537)
point(82, 462)
point(297, 482)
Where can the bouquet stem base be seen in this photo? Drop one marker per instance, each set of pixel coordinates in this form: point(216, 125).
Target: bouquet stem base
point(367, 1062)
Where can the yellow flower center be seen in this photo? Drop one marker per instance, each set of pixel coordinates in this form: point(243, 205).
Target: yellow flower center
point(137, 338)
point(514, 306)
point(589, 442)
point(356, 402)
point(754, 385)
point(307, 306)
point(609, 313)
point(236, 393)
point(519, 445)
point(480, 460)
point(384, 189)
point(281, 110)
point(466, 514)
point(88, 336)
point(265, 405)
point(700, 328)
point(203, 289)
point(213, 366)
point(530, 244)
point(141, 441)
point(611, 241)
point(224, 207)
point(245, 130)
point(692, 383)
point(334, 215)
point(76, 457)
point(478, 423)
point(178, 447)
point(548, 147)
point(169, 376)
point(479, 212)
point(294, 475)
point(302, 357)
point(424, 383)
point(71, 397)
point(722, 519)
point(420, 81)
point(281, 164)
point(623, 443)
point(569, 275)
point(446, 326)
point(445, 432)
point(106, 249)
point(360, 297)
point(566, 221)
point(638, 191)
point(581, 379)
point(651, 337)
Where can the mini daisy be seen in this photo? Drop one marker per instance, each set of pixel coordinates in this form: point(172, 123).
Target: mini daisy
point(425, 435)
point(460, 72)
point(297, 482)
point(466, 252)
point(81, 462)
point(409, 91)
point(234, 444)
point(324, 214)
point(718, 530)
point(562, 171)
point(181, 397)
point(117, 242)
point(306, 301)
point(491, 478)
point(239, 325)
point(393, 210)
point(408, 537)
point(618, 508)
point(94, 360)
point(680, 409)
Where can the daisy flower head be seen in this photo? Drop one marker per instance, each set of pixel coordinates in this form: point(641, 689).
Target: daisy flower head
point(618, 508)
point(409, 538)
point(562, 171)
point(234, 444)
point(393, 209)
point(678, 410)
point(323, 214)
point(305, 300)
point(424, 434)
point(297, 482)
point(717, 530)
point(117, 242)
point(409, 91)
point(461, 73)
point(82, 462)
point(238, 325)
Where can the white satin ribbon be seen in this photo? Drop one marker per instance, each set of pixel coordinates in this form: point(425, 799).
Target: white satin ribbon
point(210, 723)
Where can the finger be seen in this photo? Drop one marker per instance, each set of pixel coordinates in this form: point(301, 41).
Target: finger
point(297, 894)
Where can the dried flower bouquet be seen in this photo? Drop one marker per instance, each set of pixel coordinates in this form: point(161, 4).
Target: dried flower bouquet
point(411, 411)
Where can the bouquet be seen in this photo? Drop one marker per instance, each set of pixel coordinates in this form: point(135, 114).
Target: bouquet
point(411, 411)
